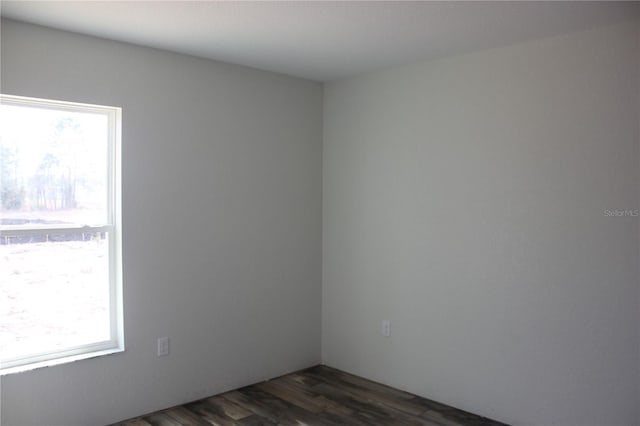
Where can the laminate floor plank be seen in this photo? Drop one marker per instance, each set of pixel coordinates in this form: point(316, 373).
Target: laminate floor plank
point(298, 399)
point(210, 413)
point(366, 410)
point(286, 413)
point(317, 396)
point(161, 419)
point(186, 417)
point(231, 410)
point(351, 394)
point(134, 422)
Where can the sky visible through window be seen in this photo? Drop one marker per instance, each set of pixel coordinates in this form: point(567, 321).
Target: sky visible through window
point(53, 165)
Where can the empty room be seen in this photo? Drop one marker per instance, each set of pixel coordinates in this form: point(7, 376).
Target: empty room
point(319, 213)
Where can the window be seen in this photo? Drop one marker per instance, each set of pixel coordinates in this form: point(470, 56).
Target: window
point(60, 232)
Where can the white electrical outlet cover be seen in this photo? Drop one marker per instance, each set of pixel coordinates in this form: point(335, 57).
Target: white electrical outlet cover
point(163, 346)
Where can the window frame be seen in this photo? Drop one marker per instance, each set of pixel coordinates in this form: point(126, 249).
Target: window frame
point(112, 228)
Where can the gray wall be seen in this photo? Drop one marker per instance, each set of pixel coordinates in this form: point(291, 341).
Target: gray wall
point(222, 224)
point(464, 200)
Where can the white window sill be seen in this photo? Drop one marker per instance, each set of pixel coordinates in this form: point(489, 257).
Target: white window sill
point(58, 361)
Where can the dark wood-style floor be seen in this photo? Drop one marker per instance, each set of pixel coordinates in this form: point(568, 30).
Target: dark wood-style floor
point(315, 396)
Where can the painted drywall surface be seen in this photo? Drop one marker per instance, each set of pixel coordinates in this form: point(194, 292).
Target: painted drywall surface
point(464, 200)
point(638, 189)
point(222, 224)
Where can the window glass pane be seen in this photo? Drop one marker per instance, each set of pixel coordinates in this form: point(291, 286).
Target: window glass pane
point(53, 167)
point(55, 292)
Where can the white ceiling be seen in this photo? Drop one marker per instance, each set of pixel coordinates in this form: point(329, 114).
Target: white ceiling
point(320, 40)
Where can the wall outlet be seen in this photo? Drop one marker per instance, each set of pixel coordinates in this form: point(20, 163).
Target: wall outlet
point(163, 346)
point(386, 328)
